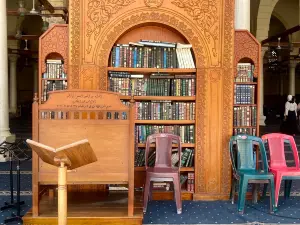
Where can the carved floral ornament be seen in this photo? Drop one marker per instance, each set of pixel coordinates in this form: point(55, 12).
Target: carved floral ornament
point(153, 3)
point(99, 13)
point(205, 13)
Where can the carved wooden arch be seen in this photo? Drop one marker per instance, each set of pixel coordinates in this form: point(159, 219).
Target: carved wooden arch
point(174, 20)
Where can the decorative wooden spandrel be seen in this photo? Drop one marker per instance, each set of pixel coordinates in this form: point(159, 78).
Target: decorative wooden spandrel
point(246, 46)
point(95, 27)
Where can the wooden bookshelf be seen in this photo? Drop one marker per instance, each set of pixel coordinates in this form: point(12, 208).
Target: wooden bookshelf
point(183, 145)
point(165, 122)
point(58, 37)
point(165, 98)
point(152, 35)
point(152, 70)
point(244, 56)
point(182, 169)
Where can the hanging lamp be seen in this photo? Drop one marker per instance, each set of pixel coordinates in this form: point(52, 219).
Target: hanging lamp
point(33, 11)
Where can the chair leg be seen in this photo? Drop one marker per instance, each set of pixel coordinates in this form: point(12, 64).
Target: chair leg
point(277, 179)
point(254, 192)
point(287, 188)
point(146, 193)
point(177, 190)
point(273, 207)
point(150, 190)
point(232, 193)
point(242, 193)
point(264, 193)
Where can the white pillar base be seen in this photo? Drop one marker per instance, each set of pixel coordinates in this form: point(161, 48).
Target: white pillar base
point(262, 119)
point(13, 110)
point(6, 136)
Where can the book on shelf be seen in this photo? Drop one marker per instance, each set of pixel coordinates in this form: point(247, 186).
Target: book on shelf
point(152, 54)
point(54, 69)
point(249, 131)
point(165, 110)
point(186, 132)
point(244, 72)
point(187, 157)
point(75, 153)
point(244, 94)
point(155, 85)
point(52, 85)
point(245, 116)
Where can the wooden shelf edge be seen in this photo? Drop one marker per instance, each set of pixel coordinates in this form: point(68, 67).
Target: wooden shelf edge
point(183, 145)
point(245, 105)
point(151, 70)
point(160, 98)
point(182, 169)
point(245, 127)
point(54, 79)
point(179, 122)
point(245, 83)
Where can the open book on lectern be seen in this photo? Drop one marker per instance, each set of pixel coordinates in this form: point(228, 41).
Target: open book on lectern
point(76, 154)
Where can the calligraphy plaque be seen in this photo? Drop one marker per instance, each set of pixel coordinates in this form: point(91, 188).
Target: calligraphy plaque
point(86, 100)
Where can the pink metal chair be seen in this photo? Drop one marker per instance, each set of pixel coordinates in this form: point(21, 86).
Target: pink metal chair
point(278, 164)
point(163, 170)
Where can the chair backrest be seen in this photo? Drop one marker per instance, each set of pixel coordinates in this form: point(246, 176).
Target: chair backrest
point(163, 143)
point(276, 147)
point(245, 157)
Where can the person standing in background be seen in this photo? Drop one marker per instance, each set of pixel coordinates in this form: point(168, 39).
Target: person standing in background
point(290, 116)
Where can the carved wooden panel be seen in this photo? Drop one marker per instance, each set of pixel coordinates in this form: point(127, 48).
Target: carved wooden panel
point(54, 40)
point(246, 46)
point(95, 26)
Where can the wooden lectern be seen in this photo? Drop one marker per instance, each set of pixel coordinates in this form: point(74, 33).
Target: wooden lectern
point(70, 157)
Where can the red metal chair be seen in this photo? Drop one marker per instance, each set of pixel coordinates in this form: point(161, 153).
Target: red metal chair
point(163, 170)
point(278, 162)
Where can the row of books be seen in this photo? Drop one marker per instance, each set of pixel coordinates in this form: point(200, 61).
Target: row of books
point(187, 182)
point(186, 132)
point(52, 85)
point(244, 94)
point(244, 72)
point(165, 110)
point(249, 131)
point(153, 86)
point(152, 54)
point(54, 69)
point(244, 116)
point(187, 158)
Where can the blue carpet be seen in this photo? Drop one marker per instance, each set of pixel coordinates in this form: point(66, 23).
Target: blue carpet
point(25, 166)
point(221, 212)
point(7, 213)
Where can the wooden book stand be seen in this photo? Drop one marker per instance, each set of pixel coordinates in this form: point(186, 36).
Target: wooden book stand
point(71, 156)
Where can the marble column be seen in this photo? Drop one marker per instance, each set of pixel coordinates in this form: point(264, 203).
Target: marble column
point(292, 72)
point(13, 83)
point(4, 110)
point(242, 14)
point(262, 118)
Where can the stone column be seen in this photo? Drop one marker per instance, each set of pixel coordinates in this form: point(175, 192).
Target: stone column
point(292, 71)
point(13, 83)
point(242, 14)
point(262, 118)
point(4, 113)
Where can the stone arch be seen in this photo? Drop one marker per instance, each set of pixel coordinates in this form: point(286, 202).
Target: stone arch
point(265, 11)
point(283, 21)
point(177, 22)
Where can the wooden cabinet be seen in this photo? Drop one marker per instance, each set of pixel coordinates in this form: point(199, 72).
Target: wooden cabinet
point(94, 29)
